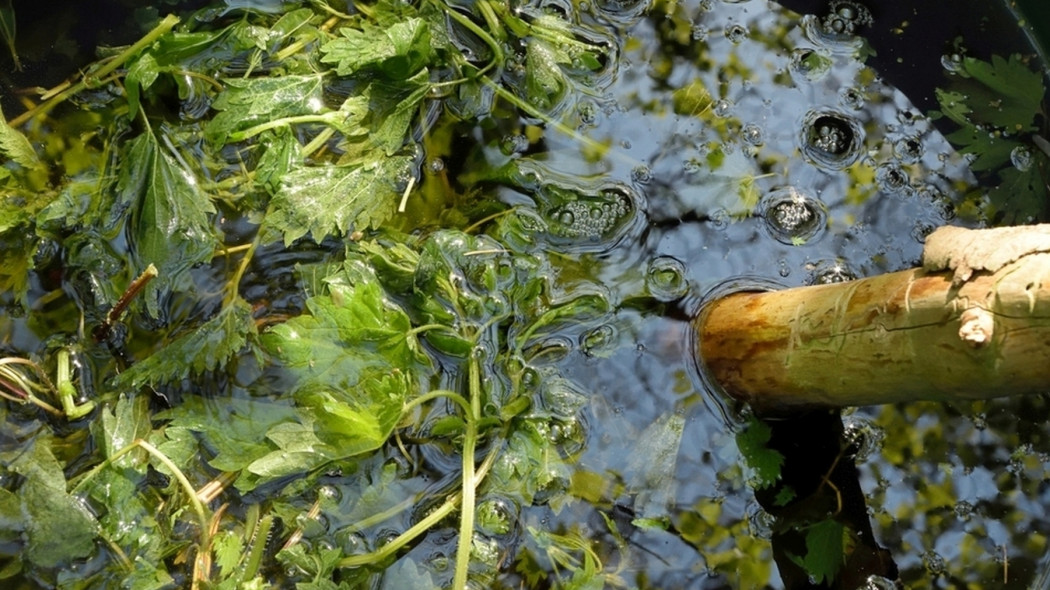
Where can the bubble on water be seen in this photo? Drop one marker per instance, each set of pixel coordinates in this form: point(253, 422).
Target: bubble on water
point(782, 268)
point(952, 62)
point(831, 140)
point(866, 436)
point(934, 563)
point(642, 174)
point(515, 143)
point(921, 229)
point(792, 216)
point(665, 278)
point(1021, 158)
point(809, 65)
point(845, 18)
point(891, 178)
point(722, 108)
point(908, 149)
point(963, 510)
point(827, 272)
point(752, 134)
point(934, 197)
point(588, 112)
point(879, 583)
point(700, 33)
point(622, 8)
point(598, 340)
point(852, 98)
point(585, 218)
point(497, 516)
point(736, 33)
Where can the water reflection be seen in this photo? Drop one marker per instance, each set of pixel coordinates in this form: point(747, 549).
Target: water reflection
point(763, 145)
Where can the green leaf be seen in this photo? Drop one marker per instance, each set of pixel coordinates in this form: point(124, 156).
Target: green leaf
point(346, 331)
point(764, 462)
point(1008, 77)
point(398, 51)
point(58, 528)
point(329, 200)
point(15, 147)
point(824, 550)
point(249, 102)
point(142, 73)
point(170, 227)
point(197, 350)
point(230, 428)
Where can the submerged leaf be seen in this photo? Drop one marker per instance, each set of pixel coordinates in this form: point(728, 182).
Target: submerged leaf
point(201, 349)
point(15, 147)
point(58, 529)
point(249, 102)
point(765, 462)
point(169, 216)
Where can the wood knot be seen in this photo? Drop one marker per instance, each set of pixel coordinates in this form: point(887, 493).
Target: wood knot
point(976, 325)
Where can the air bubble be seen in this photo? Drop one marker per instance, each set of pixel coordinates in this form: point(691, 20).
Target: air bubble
point(963, 510)
point(934, 563)
point(642, 174)
point(435, 166)
point(828, 272)
point(736, 33)
point(700, 33)
point(722, 108)
point(595, 341)
point(921, 230)
point(845, 18)
point(831, 140)
point(908, 149)
point(752, 134)
point(1021, 158)
point(891, 178)
point(665, 278)
point(514, 144)
point(852, 98)
point(865, 435)
point(809, 65)
point(952, 62)
point(791, 216)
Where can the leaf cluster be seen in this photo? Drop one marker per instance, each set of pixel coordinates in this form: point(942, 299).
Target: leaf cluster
point(999, 109)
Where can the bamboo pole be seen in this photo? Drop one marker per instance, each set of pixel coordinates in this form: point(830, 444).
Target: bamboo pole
point(973, 323)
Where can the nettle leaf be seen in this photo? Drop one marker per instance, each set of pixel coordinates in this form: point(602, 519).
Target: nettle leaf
point(248, 102)
point(763, 461)
point(348, 330)
point(142, 73)
point(170, 227)
point(330, 199)
point(15, 147)
point(200, 349)
point(229, 428)
point(398, 51)
point(58, 529)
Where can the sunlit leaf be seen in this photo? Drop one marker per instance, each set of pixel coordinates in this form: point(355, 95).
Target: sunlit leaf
point(399, 51)
point(15, 147)
point(331, 200)
point(248, 102)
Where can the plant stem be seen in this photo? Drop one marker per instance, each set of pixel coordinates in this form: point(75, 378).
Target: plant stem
point(448, 507)
point(466, 518)
point(92, 78)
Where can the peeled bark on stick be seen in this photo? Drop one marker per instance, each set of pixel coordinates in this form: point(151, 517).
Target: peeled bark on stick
point(972, 323)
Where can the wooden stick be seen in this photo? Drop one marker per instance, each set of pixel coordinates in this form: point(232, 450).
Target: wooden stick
point(974, 323)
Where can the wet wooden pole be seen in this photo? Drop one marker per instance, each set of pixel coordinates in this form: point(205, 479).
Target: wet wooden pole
point(972, 323)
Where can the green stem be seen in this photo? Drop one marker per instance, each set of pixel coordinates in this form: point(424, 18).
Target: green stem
point(448, 507)
point(67, 393)
point(450, 395)
point(470, 439)
point(497, 51)
point(92, 78)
